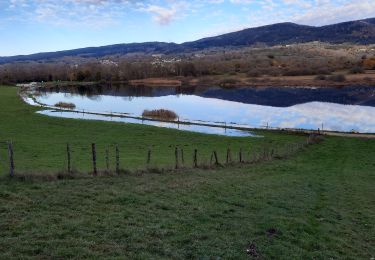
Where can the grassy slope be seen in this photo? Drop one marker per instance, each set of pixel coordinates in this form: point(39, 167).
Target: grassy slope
point(40, 141)
point(320, 202)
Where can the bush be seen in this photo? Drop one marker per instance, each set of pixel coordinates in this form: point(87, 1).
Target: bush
point(367, 79)
point(253, 73)
point(369, 63)
point(273, 72)
point(299, 72)
point(337, 78)
point(65, 105)
point(323, 72)
point(160, 113)
point(229, 82)
point(321, 77)
point(356, 70)
point(6, 82)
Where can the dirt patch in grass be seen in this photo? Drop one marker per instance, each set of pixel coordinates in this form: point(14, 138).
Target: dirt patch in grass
point(253, 251)
point(271, 232)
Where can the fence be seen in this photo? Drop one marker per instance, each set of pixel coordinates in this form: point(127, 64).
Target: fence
point(112, 115)
point(7, 157)
point(110, 158)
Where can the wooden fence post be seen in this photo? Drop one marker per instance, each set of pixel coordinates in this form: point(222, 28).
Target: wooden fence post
point(182, 157)
point(240, 155)
point(69, 158)
point(254, 157)
point(117, 160)
point(195, 158)
point(264, 153)
point(11, 159)
point(93, 147)
point(107, 159)
point(149, 156)
point(229, 156)
point(216, 158)
point(176, 157)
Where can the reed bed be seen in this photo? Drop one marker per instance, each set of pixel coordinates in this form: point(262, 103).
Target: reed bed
point(160, 114)
point(65, 105)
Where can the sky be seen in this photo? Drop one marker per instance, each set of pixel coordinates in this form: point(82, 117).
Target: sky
point(31, 26)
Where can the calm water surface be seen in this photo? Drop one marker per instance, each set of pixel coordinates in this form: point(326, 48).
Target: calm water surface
point(345, 110)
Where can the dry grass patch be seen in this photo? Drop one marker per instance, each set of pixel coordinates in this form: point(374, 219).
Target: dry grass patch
point(65, 105)
point(160, 114)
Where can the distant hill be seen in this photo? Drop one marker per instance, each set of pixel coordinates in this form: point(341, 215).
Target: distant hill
point(93, 52)
point(360, 32)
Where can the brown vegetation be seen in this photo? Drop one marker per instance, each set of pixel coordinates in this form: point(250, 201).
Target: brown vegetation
point(156, 82)
point(369, 63)
point(160, 114)
point(297, 60)
point(356, 70)
point(337, 78)
point(229, 82)
point(65, 105)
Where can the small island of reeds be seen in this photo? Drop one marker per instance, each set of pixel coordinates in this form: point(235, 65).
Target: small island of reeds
point(163, 114)
point(65, 105)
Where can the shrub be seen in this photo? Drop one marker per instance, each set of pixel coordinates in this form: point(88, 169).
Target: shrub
point(369, 63)
point(253, 73)
point(337, 78)
point(323, 72)
point(160, 113)
point(367, 79)
point(301, 72)
point(65, 105)
point(356, 70)
point(229, 82)
point(273, 72)
point(321, 77)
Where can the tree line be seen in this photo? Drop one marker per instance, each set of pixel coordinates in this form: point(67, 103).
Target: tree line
point(253, 63)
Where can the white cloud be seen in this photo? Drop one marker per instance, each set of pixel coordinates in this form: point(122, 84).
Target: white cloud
point(92, 13)
point(162, 15)
point(95, 13)
point(328, 12)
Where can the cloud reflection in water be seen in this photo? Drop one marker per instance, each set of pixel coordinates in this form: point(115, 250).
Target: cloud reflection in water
point(312, 115)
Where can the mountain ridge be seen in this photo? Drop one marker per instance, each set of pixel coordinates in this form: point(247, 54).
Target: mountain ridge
point(356, 32)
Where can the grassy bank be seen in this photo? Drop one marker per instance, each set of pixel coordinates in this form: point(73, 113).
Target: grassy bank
point(318, 204)
point(40, 141)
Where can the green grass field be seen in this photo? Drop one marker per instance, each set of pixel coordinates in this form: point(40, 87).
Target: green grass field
point(40, 141)
point(317, 204)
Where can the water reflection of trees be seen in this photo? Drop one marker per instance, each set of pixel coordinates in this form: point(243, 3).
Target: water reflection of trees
point(128, 92)
point(279, 97)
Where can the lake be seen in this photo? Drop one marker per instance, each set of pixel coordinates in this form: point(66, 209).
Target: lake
point(350, 109)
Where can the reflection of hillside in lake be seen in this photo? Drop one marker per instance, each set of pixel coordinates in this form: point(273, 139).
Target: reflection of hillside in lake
point(272, 96)
point(333, 109)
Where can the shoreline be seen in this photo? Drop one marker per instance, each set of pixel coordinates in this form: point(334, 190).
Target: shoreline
point(227, 82)
point(222, 125)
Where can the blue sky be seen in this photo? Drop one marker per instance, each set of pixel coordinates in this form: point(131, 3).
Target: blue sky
point(30, 26)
